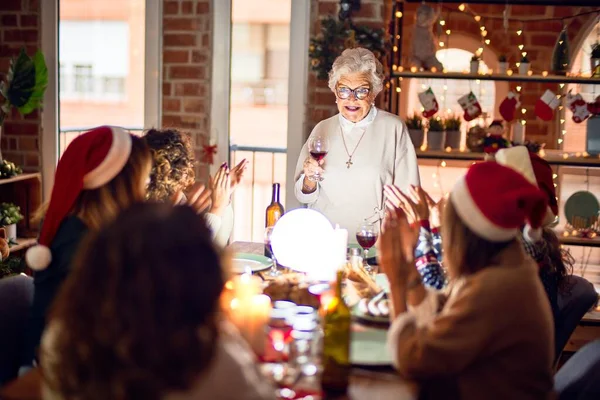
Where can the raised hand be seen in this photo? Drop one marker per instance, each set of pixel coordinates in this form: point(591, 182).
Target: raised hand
point(396, 247)
point(199, 198)
point(220, 186)
point(237, 173)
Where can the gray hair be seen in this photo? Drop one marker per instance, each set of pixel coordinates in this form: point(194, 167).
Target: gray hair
point(357, 60)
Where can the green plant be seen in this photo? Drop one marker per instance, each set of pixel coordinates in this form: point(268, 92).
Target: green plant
point(9, 169)
point(436, 125)
point(452, 123)
point(11, 266)
point(595, 50)
point(10, 214)
point(524, 59)
point(475, 58)
point(414, 122)
point(502, 58)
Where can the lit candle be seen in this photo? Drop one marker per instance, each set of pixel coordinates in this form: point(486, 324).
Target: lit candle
point(258, 311)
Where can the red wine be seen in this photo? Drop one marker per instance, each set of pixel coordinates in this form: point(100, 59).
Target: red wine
point(318, 155)
point(366, 242)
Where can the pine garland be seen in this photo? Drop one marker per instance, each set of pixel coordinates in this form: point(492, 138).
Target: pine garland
point(336, 36)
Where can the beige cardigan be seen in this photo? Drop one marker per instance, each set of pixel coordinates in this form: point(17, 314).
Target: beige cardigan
point(384, 156)
point(233, 375)
point(491, 339)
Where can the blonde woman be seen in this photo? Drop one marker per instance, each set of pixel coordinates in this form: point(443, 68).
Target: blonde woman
point(101, 173)
point(368, 148)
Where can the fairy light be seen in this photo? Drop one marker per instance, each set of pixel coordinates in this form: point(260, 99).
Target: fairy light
point(462, 7)
point(413, 69)
point(477, 18)
point(509, 72)
point(395, 48)
point(529, 73)
point(487, 41)
point(441, 44)
point(398, 90)
point(423, 86)
point(519, 32)
point(399, 14)
point(544, 73)
point(442, 22)
point(443, 164)
point(394, 67)
point(448, 31)
point(518, 88)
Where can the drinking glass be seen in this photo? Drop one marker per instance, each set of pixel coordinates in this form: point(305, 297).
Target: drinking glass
point(305, 334)
point(366, 236)
point(273, 271)
point(318, 147)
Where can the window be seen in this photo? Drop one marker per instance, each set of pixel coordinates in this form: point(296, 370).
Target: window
point(84, 83)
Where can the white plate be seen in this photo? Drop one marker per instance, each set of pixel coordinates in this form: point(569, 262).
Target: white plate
point(254, 262)
point(369, 348)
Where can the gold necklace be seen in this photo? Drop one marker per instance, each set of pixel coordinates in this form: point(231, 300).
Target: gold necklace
point(350, 155)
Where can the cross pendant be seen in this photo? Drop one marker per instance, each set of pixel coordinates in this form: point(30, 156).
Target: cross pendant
point(349, 163)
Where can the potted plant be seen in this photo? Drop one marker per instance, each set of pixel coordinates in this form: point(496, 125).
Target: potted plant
point(10, 216)
point(415, 130)
point(595, 60)
point(524, 66)
point(9, 169)
point(24, 87)
point(453, 134)
point(475, 64)
point(436, 136)
point(502, 64)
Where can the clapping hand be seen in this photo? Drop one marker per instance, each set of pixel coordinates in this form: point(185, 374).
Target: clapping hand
point(199, 198)
point(396, 247)
point(220, 186)
point(237, 173)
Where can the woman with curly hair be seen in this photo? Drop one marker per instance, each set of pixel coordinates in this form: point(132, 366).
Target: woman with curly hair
point(173, 178)
point(157, 332)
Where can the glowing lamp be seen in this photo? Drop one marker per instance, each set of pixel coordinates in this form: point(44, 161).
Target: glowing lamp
point(305, 241)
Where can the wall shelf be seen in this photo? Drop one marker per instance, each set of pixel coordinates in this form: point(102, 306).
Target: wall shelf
point(22, 244)
point(577, 241)
point(21, 177)
point(554, 157)
point(497, 77)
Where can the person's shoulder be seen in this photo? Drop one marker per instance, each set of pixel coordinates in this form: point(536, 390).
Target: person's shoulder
point(388, 117)
point(327, 124)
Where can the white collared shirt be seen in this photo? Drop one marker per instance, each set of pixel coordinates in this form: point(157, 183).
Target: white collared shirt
point(347, 125)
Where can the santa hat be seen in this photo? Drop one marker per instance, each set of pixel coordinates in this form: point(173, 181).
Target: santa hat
point(495, 201)
point(536, 170)
point(91, 160)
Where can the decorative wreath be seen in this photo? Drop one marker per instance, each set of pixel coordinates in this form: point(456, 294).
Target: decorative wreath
point(336, 36)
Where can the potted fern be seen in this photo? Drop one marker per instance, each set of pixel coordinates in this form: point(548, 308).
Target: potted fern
point(10, 216)
point(436, 136)
point(595, 60)
point(502, 64)
point(475, 60)
point(24, 87)
point(415, 130)
point(453, 135)
point(524, 66)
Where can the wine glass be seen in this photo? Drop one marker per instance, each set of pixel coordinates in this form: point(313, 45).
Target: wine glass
point(273, 271)
point(366, 236)
point(318, 147)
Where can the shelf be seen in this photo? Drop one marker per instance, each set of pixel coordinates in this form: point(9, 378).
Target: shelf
point(554, 157)
point(21, 177)
point(577, 241)
point(497, 77)
point(22, 244)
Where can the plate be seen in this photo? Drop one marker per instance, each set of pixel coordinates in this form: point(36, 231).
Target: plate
point(369, 348)
point(255, 262)
point(360, 316)
point(582, 204)
point(372, 251)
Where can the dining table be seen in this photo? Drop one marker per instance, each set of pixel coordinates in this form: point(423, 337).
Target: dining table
point(366, 382)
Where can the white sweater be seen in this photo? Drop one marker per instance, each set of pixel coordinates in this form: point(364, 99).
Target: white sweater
point(385, 155)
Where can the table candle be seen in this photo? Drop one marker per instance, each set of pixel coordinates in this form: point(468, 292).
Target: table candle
point(258, 313)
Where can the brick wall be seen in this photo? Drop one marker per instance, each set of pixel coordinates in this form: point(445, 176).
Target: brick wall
point(320, 99)
point(539, 38)
point(20, 27)
point(187, 51)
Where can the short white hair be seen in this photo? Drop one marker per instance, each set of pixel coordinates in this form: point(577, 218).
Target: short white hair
point(357, 60)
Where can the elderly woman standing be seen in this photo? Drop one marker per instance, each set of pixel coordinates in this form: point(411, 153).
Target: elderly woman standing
point(368, 148)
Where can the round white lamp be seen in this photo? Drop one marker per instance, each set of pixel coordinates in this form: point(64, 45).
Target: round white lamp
point(304, 240)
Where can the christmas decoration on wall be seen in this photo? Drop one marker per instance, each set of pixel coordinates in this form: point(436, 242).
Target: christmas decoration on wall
point(208, 153)
point(545, 105)
point(339, 34)
point(495, 139)
point(470, 105)
point(509, 106)
point(424, 44)
point(429, 103)
point(560, 56)
point(594, 107)
point(578, 107)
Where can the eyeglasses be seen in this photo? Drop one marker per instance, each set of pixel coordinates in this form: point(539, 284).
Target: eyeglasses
point(359, 93)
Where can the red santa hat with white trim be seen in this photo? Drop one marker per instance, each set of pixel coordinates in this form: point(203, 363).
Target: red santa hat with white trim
point(495, 201)
point(91, 160)
point(536, 170)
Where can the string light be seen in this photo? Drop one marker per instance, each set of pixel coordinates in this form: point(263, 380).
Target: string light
point(398, 14)
point(448, 31)
point(442, 22)
point(462, 7)
point(477, 18)
point(519, 32)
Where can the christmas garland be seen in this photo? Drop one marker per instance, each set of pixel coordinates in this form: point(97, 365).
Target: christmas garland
point(336, 36)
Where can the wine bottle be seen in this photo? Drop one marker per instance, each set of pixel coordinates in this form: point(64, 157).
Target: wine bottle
point(336, 344)
point(274, 212)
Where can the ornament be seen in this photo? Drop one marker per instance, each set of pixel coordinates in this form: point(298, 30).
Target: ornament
point(429, 103)
point(594, 108)
point(509, 106)
point(560, 55)
point(545, 105)
point(578, 107)
point(423, 43)
point(495, 139)
point(475, 137)
point(470, 105)
point(209, 152)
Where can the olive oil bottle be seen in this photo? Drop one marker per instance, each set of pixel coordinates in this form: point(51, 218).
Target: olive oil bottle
point(336, 344)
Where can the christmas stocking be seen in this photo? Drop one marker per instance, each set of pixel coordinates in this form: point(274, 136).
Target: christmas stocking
point(545, 105)
point(509, 106)
point(429, 102)
point(578, 107)
point(470, 105)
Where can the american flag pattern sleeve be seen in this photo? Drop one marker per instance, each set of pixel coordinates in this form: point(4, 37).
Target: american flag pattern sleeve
point(426, 258)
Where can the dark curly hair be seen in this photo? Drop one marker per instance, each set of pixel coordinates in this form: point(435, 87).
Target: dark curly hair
point(173, 163)
point(137, 317)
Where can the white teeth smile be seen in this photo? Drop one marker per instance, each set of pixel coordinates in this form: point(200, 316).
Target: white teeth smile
point(352, 108)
